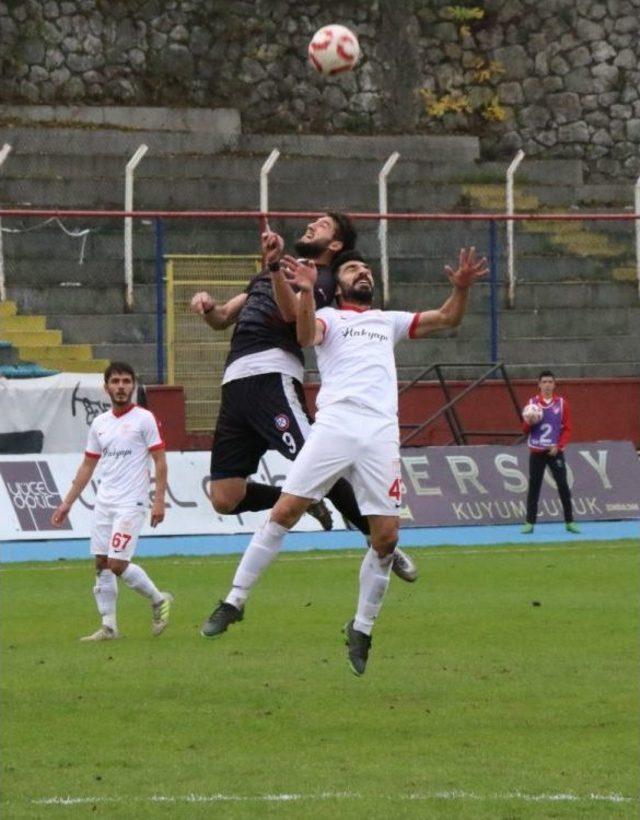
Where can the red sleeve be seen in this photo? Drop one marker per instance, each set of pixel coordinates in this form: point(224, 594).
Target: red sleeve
point(413, 325)
point(92, 455)
point(565, 428)
point(159, 446)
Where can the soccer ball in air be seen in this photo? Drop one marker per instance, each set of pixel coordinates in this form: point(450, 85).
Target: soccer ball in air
point(532, 414)
point(334, 49)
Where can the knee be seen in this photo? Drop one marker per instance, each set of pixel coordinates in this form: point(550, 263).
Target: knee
point(224, 502)
point(386, 541)
point(288, 510)
point(117, 566)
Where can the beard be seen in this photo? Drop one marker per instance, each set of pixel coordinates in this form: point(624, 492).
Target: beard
point(311, 250)
point(358, 296)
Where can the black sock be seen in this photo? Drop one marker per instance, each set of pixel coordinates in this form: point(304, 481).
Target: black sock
point(343, 499)
point(258, 497)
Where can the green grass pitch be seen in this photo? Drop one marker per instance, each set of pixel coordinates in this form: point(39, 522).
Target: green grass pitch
point(503, 684)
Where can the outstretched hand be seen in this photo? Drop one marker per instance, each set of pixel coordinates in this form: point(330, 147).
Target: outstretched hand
point(272, 245)
point(469, 269)
point(300, 272)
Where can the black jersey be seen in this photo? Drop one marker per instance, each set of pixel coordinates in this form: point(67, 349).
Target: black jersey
point(260, 325)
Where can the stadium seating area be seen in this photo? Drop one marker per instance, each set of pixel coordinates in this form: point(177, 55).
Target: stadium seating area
point(576, 301)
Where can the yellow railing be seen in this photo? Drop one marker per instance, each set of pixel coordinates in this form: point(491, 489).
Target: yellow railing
point(195, 353)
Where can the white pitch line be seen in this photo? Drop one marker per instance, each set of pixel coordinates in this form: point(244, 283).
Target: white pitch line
point(453, 796)
point(341, 555)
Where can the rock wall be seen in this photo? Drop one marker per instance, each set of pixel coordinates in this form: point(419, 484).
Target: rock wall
point(559, 78)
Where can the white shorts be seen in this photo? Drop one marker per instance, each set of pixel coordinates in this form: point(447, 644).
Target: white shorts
point(115, 531)
point(350, 442)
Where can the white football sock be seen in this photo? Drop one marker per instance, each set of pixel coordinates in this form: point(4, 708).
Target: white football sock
point(262, 549)
point(106, 593)
point(374, 580)
point(136, 578)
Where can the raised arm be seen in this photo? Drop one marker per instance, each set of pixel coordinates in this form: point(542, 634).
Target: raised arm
point(309, 330)
point(272, 248)
point(217, 316)
point(450, 314)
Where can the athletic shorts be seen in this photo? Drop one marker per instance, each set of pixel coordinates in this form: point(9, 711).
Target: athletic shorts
point(348, 441)
point(258, 413)
point(115, 531)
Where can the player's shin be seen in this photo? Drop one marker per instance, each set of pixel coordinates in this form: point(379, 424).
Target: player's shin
point(136, 578)
point(374, 580)
point(263, 548)
point(106, 593)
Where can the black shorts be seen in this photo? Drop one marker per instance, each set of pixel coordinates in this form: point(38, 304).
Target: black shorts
point(258, 413)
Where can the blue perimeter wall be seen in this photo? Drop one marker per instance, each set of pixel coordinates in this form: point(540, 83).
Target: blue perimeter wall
point(157, 546)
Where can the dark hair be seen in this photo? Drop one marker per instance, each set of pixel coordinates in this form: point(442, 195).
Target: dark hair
point(345, 232)
point(118, 367)
point(344, 257)
point(544, 373)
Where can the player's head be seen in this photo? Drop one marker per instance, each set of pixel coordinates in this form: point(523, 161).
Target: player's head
point(354, 279)
point(331, 233)
point(546, 382)
point(120, 382)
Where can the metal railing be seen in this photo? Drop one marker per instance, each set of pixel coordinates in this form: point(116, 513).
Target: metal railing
point(460, 433)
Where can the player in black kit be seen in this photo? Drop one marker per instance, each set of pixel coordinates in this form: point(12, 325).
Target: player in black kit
point(263, 405)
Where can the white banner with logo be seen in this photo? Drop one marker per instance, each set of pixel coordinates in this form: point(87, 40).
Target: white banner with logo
point(32, 486)
point(51, 414)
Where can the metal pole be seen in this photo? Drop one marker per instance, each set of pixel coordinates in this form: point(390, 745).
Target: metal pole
point(264, 187)
point(637, 202)
point(128, 223)
point(159, 269)
point(511, 268)
point(4, 153)
point(493, 288)
point(382, 226)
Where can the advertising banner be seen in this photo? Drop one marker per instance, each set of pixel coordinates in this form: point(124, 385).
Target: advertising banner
point(443, 486)
point(457, 486)
point(31, 487)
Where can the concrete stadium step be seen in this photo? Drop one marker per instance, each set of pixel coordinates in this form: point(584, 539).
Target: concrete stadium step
point(8, 308)
point(547, 174)
point(100, 299)
point(142, 357)
point(55, 271)
point(244, 168)
point(621, 321)
point(536, 268)
point(578, 350)
point(114, 142)
point(126, 328)
point(43, 353)
point(35, 338)
point(529, 296)
point(66, 365)
point(22, 323)
point(625, 273)
point(223, 194)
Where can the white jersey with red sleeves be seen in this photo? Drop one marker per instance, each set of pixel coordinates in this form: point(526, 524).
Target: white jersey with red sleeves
point(356, 357)
point(122, 443)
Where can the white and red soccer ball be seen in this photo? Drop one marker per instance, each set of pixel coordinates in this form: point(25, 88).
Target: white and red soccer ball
point(334, 49)
point(532, 414)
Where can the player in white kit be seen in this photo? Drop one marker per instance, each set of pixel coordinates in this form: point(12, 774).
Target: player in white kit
point(356, 433)
point(122, 439)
